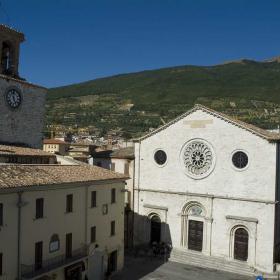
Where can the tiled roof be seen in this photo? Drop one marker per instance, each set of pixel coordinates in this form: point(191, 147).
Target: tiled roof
point(125, 153)
point(53, 141)
point(17, 176)
point(22, 151)
point(270, 136)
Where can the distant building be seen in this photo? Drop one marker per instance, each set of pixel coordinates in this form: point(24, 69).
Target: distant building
point(59, 221)
point(121, 161)
point(22, 155)
point(81, 152)
point(210, 184)
point(55, 146)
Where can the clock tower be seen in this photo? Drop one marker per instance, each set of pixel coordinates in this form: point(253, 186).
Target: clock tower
point(22, 104)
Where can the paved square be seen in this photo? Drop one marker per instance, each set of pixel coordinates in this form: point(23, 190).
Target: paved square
point(155, 269)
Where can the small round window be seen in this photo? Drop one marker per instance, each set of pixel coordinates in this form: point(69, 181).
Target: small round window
point(240, 160)
point(160, 157)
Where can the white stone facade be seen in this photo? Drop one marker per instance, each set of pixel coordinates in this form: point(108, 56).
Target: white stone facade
point(230, 198)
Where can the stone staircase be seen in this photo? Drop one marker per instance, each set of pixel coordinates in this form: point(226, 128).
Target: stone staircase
point(218, 263)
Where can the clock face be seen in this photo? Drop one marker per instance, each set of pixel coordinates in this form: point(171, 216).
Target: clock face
point(13, 98)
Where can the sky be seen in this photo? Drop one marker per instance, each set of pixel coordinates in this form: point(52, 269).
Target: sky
point(70, 41)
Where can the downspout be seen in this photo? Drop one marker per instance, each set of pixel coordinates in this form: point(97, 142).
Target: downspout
point(133, 195)
point(86, 218)
point(19, 206)
point(276, 210)
point(139, 163)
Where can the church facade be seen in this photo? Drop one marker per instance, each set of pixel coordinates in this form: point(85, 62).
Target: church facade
point(208, 184)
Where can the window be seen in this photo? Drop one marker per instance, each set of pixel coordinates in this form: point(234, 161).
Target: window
point(113, 195)
point(126, 169)
point(113, 228)
point(105, 209)
point(39, 208)
point(240, 160)
point(68, 246)
point(1, 214)
point(54, 243)
point(69, 203)
point(1, 264)
point(113, 166)
point(160, 157)
point(93, 234)
point(93, 199)
point(6, 59)
point(38, 255)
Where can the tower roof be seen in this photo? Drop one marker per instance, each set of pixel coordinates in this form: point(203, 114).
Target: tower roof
point(5, 28)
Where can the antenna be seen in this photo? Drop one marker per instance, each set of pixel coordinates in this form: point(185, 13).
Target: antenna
point(5, 12)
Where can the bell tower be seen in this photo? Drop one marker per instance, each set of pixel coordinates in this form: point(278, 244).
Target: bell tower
point(10, 41)
point(22, 104)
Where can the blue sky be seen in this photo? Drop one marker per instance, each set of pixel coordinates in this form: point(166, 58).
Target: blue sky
point(71, 41)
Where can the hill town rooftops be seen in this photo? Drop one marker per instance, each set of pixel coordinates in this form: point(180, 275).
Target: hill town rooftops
point(54, 141)
point(270, 136)
point(22, 176)
point(6, 150)
point(124, 153)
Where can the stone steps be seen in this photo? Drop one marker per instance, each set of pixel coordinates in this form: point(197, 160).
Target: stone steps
point(200, 260)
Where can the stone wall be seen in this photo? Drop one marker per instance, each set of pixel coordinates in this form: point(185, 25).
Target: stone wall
point(23, 125)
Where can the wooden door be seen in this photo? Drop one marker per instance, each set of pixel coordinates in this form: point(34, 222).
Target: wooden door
point(241, 239)
point(112, 262)
point(195, 235)
point(155, 229)
point(38, 255)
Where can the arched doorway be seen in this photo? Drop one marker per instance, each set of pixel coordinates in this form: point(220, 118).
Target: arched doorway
point(241, 240)
point(155, 229)
point(193, 223)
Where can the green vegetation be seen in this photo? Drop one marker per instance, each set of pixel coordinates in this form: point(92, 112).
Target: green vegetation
point(133, 103)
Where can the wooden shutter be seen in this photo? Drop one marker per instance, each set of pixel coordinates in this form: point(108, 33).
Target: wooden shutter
point(69, 203)
point(93, 234)
point(39, 208)
point(68, 247)
point(126, 169)
point(38, 255)
point(93, 198)
point(113, 166)
point(113, 195)
point(1, 214)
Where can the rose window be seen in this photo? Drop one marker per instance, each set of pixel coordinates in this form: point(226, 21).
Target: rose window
point(198, 158)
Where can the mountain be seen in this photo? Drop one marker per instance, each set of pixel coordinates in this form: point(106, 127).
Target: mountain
point(133, 103)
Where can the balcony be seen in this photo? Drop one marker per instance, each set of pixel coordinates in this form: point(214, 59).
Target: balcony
point(30, 271)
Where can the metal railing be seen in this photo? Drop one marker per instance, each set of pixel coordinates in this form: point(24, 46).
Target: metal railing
point(31, 271)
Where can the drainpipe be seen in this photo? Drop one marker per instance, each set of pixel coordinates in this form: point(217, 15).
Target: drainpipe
point(133, 195)
point(19, 206)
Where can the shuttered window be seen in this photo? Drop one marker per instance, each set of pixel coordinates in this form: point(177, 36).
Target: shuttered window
point(113, 228)
point(93, 198)
point(113, 166)
point(1, 264)
point(126, 169)
point(39, 208)
point(113, 195)
point(69, 203)
point(93, 234)
point(1, 214)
